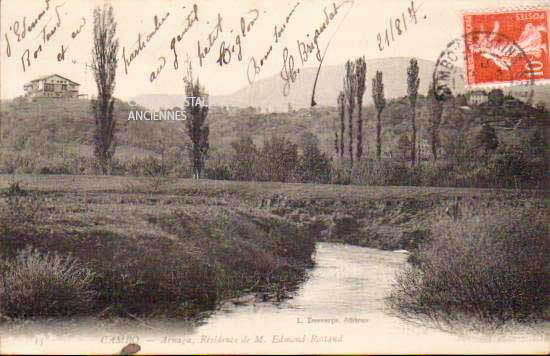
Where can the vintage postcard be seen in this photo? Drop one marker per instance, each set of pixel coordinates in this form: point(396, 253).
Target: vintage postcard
point(274, 177)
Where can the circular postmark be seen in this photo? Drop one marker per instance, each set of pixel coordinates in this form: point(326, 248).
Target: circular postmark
point(483, 59)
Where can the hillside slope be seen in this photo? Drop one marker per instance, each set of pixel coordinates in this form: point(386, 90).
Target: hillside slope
point(53, 127)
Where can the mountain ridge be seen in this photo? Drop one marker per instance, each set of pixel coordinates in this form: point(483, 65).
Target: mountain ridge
point(267, 93)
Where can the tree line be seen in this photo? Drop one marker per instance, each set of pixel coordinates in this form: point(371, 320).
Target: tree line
point(351, 98)
point(280, 159)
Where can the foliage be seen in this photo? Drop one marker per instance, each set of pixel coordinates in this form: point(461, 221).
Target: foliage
point(350, 90)
point(342, 116)
point(536, 143)
point(20, 207)
point(404, 146)
point(219, 167)
point(516, 167)
point(379, 103)
point(314, 166)
point(197, 123)
point(278, 159)
point(435, 113)
point(361, 74)
point(487, 264)
point(496, 97)
point(35, 284)
point(488, 138)
point(244, 163)
point(214, 251)
point(413, 81)
point(104, 65)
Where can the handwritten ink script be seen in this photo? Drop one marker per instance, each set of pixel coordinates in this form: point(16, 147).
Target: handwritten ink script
point(48, 24)
point(255, 66)
point(397, 27)
point(142, 42)
point(306, 48)
point(191, 18)
point(227, 50)
point(46, 34)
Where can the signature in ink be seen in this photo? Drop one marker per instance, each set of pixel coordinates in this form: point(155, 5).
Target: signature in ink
point(47, 35)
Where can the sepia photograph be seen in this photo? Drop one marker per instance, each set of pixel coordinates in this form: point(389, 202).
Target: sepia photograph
point(274, 177)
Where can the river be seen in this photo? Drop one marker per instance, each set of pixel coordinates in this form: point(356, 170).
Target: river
point(339, 309)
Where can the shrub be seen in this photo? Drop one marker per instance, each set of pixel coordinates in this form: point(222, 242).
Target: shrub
point(245, 159)
point(218, 167)
point(148, 166)
point(491, 266)
point(340, 172)
point(163, 279)
point(218, 172)
point(314, 166)
point(385, 172)
point(278, 160)
point(17, 163)
point(39, 285)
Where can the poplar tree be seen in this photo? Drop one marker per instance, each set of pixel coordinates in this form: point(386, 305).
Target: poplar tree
point(350, 89)
point(360, 74)
point(104, 65)
point(379, 104)
point(413, 82)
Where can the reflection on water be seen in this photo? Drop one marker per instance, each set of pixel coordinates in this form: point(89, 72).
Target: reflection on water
point(340, 308)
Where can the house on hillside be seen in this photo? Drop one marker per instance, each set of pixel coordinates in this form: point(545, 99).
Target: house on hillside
point(477, 97)
point(52, 85)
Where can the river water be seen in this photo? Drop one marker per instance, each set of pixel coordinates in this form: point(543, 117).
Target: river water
point(339, 309)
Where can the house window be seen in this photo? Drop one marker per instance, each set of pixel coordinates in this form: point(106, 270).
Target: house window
point(48, 87)
point(63, 86)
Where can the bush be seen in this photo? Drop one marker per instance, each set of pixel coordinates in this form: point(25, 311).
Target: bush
point(38, 285)
point(491, 266)
point(148, 166)
point(516, 168)
point(313, 166)
point(218, 167)
point(278, 160)
point(244, 162)
point(340, 173)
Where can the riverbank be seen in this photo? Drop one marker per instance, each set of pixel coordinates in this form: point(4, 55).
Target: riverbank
point(389, 218)
point(214, 240)
point(142, 255)
point(340, 307)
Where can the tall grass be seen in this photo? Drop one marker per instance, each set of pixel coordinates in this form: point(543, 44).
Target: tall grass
point(489, 265)
point(35, 284)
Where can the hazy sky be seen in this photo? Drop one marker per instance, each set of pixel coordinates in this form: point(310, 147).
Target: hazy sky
point(353, 31)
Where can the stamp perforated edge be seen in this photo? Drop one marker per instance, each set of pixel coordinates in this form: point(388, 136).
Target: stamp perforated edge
point(543, 6)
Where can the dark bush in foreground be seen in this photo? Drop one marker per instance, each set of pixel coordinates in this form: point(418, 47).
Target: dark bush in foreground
point(491, 266)
point(34, 284)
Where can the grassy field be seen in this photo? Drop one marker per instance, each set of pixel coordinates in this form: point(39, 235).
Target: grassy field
point(249, 190)
point(381, 217)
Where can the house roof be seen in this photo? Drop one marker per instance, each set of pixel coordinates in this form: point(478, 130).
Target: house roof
point(478, 92)
point(53, 75)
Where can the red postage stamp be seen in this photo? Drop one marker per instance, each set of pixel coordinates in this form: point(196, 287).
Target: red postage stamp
point(507, 47)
